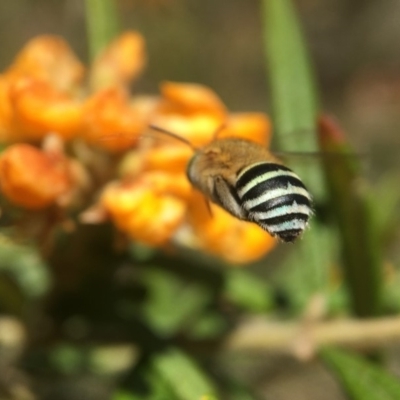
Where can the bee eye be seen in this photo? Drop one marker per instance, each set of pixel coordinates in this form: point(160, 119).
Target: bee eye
point(189, 170)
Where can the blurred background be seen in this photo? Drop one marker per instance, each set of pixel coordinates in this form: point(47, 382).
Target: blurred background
point(80, 316)
point(353, 45)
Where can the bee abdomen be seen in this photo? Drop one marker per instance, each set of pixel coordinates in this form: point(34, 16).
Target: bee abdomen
point(275, 198)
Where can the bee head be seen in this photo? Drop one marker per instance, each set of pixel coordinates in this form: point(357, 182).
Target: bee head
point(190, 168)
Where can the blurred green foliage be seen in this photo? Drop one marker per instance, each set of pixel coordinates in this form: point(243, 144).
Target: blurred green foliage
point(145, 325)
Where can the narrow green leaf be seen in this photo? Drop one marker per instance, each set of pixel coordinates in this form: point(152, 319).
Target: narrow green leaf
point(360, 241)
point(102, 24)
point(186, 379)
point(291, 79)
point(386, 205)
point(361, 379)
point(295, 107)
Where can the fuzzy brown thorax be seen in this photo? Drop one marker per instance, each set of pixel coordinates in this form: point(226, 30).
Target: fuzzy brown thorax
point(224, 158)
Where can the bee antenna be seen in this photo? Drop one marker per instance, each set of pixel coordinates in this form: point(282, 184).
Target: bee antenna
point(173, 135)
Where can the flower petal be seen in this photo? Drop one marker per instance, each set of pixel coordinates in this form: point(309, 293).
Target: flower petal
point(142, 213)
point(122, 61)
point(198, 129)
point(48, 58)
point(39, 108)
point(251, 126)
point(110, 122)
point(222, 234)
point(31, 178)
point(191, 98)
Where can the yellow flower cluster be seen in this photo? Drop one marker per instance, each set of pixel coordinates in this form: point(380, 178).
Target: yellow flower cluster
point(43, 93)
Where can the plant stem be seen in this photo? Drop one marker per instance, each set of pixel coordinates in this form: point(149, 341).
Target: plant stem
point(304, 338)
point(102, 24)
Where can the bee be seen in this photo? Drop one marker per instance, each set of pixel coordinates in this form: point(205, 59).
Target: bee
point(246, 180)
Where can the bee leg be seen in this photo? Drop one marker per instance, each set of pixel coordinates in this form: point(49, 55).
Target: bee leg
point(225, 195)
point(208, 205)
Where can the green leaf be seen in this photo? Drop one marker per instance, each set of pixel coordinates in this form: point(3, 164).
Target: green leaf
point(185, 378)
point(140, 252)
point(172, 303)
point(238, 391)
point(301, 277)
point(102, 24)
point(67, 359)
point(125, 395)
point(248, 291)
point(25, 265)
point(391, 294)
point(361, 379)
point(386, 203)
point(207, 326)
point(295, 109)
point(160, 388)
point(293, 93)
point(352, 208)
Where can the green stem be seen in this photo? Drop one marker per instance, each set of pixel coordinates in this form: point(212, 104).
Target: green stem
point(102, 24)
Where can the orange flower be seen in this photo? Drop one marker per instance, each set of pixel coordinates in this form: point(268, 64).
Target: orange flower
point(189, 99)
point(148, 210)
point(50, 59)
point(36, 92)
point(251, 126)
point(42, 93)
point(226, 236)
point(38, 109)
point(122, 61)
point(168, 158)
point(198, 129)
point(110, 122)
point(32, 178)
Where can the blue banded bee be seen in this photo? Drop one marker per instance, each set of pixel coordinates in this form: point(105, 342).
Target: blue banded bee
point(250, 183)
